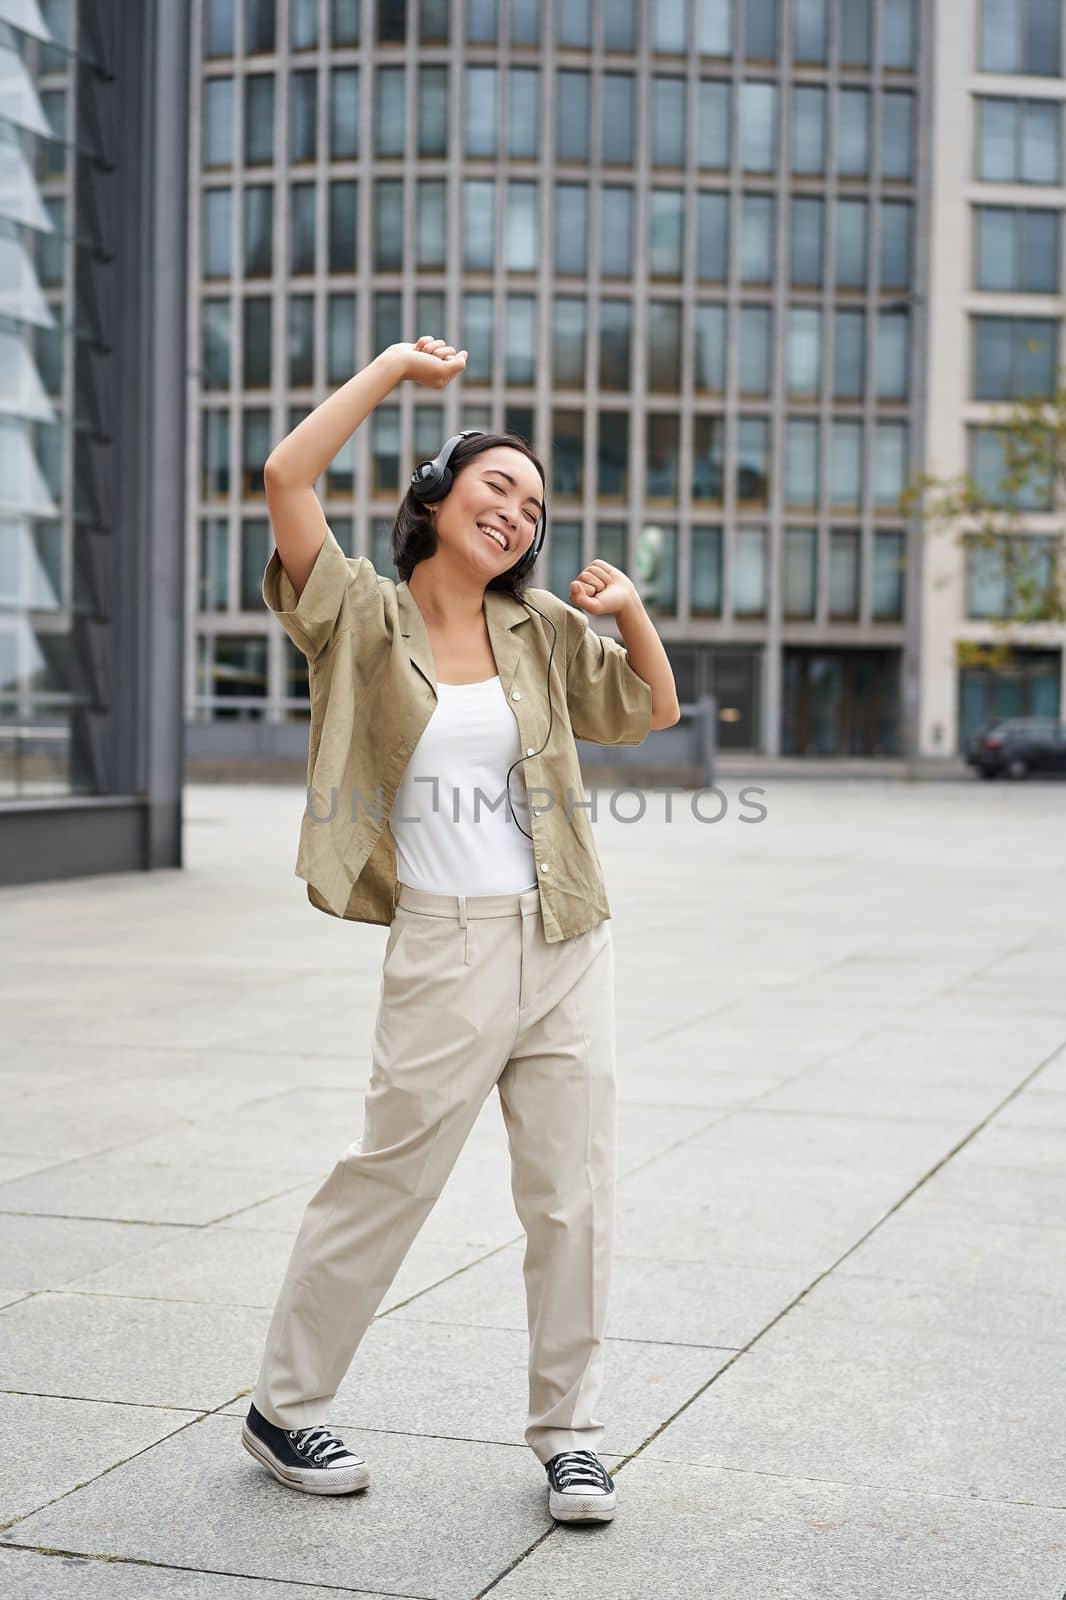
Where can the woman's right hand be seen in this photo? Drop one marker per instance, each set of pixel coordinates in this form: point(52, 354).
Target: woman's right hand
point(431, 362)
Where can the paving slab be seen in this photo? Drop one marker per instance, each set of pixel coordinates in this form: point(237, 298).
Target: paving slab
point(200, 1501)
point(117, 1186)
point(30, 1576)
point(48, 1252)
point(747, 1536)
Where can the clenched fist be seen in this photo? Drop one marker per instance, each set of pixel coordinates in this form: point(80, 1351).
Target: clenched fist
point(431, 362)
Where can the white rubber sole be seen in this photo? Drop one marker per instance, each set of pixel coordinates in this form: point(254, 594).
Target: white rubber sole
point(309, 1480)
point(581, 1507)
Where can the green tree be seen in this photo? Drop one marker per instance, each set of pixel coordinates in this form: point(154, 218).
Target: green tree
point(1033, 438)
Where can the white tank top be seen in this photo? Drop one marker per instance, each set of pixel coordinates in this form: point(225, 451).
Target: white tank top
point(451, 819)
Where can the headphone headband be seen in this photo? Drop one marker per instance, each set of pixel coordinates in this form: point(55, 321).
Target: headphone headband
point(432, 479)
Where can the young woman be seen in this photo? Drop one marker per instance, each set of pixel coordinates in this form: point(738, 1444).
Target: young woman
point(448, 692)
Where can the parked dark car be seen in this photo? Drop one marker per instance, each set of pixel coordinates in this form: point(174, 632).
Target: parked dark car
point(1018, 746)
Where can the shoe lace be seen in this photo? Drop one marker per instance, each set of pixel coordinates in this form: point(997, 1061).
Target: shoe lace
point(580, 1467)
point(317, 1442)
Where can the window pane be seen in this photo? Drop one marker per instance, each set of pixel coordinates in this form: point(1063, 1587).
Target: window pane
point(756, 238)
point(479, 224)
point(256, 356)
point(255, 447)
point(705, 598)
point(753, 461)
point(612, 466)
point(708, 460)
point(259, 117)
point(215, 342)
point(343, 113)
point(340, 338)
point(896, 151)
point(432, 110)
point(214, 454)
point(618, 118)
point(571, 227)
point(256, 545)
point(713, 119)
point(385, 450)
point(668, 122)
point(760, 29)
point(1041, 139)
point(709, 349)
point(755, 344)
point(1001, 36)
point(668, 26)
point(431, 221)
point(520, 335)
point(573, 25)
point(801, 461)
point(890, 463)
point(986, 579)
point(712, 237)
point(895, 245)
point(477, 336)
point(616, 233)
point(893, 339)
point(997, 124)
point(995, 247)
point(801, 572)
point(886, 598)
point(216, 233)
point(212, 589)
point(389, 111)
point(803, 350)
point(479, 111)
point(849, 354)
point(387, 324)
point(758, 126)
point(344, 22)
point(897, 33)
point(809, 29)
point(749, 572)
point(615, 336)
point(714, 27)
point(258, 26)
point(568, 446)
point(217, 122)
point(1040, 233)
point(845, 465)
point(303, 30)
point(481, 21)
point(805, 235)
point(663, 453)
point(303, 116)
point(808, 129)
point(258, 231)
point(521, 243)
point(851, 243)
point(568, 342)
point(572, 116)
point(666, 233)
point(388, 224)
point(844, 573)
point(523, 112)
point(342, 226)
point(664, 346)
point(855, 32)
point(853, 142)
point(300, 340)
point(218, 27)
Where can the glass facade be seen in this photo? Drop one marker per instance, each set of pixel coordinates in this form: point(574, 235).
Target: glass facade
point(686, 286)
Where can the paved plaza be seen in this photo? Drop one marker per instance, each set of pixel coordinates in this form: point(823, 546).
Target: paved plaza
point(837, 1355)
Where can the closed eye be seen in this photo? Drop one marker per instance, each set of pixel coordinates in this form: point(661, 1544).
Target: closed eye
point(534, 519)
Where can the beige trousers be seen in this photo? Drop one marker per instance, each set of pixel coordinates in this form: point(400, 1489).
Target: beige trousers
point(472, 996)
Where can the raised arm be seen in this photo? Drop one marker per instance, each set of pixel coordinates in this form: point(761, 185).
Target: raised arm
point(294, 465)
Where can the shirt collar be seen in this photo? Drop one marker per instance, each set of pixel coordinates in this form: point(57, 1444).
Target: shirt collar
point(503, 614)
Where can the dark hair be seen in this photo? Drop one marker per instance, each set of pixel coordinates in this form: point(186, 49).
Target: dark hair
point(414, 536)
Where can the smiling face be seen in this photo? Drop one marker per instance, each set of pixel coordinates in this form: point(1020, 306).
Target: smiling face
point(490, 514)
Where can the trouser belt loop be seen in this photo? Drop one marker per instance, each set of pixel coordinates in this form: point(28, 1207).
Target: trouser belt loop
point(396, 894)
point(465, 924)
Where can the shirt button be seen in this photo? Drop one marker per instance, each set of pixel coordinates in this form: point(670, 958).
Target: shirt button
point(536, 811)
point(530, 751)
point(515, 694)
point(543, 865)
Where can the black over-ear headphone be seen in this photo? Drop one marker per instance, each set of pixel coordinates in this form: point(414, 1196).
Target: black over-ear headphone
point(430, 482)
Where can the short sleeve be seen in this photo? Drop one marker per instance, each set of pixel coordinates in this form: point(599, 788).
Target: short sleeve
point(609, 703)
point(326, 602)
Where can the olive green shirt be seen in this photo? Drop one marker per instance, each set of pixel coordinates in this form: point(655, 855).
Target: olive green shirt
point(373, 688)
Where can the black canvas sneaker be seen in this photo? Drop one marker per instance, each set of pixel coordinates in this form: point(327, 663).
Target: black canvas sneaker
point(311, 1459)
point(580, 1489)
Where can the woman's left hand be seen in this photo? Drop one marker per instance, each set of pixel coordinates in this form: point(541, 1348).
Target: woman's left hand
point(602, 589)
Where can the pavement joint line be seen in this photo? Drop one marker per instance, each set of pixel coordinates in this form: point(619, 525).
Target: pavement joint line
point(213, 1572)
point(194, 1412)
point(744, 1350)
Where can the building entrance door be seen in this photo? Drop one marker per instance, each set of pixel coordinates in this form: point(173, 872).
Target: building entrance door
point(841, 703)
